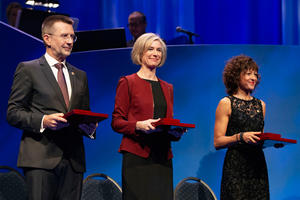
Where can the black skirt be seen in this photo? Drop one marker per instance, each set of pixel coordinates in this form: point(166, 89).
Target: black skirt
point(146, 178)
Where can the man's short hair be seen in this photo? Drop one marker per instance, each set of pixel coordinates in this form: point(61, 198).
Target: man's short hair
point(49, 21)
point(142, 17)
point(142, 44)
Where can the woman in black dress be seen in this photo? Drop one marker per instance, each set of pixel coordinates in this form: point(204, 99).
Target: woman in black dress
point(239, 122)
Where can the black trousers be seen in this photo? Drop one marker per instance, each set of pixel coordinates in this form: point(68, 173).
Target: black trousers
point(60, 183)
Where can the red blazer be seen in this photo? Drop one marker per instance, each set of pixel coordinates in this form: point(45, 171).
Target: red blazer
point(134, 102)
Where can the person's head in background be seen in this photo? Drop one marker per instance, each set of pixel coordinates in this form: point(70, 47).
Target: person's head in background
point(137, 24)
point(12, 12)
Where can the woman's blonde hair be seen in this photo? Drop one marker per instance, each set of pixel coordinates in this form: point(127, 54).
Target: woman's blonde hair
point(142, 44)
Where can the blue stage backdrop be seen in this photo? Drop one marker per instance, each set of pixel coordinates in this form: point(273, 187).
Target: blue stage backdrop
point(196, 73)
point(217, 22)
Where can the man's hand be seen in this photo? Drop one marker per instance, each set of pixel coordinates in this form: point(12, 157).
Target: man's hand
point(55, 121)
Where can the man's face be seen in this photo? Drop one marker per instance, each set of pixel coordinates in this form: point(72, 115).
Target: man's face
point(60, 40)
point(136, 25)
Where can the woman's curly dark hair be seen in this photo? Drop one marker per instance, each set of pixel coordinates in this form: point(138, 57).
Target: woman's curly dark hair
point(233, 69)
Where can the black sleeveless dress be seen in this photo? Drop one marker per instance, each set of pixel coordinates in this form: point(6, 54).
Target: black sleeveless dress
point(245, 175)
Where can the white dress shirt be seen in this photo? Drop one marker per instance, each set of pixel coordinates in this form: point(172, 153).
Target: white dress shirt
point(52, 61)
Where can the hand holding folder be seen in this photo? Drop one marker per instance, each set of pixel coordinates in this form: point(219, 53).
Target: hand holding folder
point(173, 123)
point(174, 126)
point(78, 117)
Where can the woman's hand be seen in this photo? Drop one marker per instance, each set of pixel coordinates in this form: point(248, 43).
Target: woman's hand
point(251, 137)
point(146, 125)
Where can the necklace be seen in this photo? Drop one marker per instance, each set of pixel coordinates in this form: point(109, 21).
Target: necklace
point(246, 98)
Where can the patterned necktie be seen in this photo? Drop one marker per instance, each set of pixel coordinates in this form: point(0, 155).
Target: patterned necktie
point(62, 82)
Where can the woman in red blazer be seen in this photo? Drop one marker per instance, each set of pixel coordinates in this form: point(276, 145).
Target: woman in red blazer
point(141, 99)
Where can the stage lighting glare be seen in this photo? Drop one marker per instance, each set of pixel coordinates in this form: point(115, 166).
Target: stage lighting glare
point(45, 3)
point(30, 2)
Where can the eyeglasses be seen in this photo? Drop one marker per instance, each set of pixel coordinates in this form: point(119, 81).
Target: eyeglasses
point(66, 36)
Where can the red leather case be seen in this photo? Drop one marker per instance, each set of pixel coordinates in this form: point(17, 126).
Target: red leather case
point(78, 116)
point(173, 123)
point(275, 140)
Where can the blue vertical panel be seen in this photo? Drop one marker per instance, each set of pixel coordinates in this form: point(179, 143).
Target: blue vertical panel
point(238, 22)
point(153, 11)
point(88, 12)
point(186, 16)
point(291, 22)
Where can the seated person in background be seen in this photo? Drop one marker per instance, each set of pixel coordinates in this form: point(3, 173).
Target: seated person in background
point(137, 26)
point(12, 12)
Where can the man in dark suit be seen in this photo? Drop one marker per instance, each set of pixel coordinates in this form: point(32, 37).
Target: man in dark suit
point(51, 150)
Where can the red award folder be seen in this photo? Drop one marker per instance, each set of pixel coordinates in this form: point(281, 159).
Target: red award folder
point(275, 140)
point(173, 123)
point(77, 116)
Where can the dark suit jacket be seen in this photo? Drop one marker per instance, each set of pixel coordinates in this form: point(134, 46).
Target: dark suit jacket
point(34, 93)
point(134, 102)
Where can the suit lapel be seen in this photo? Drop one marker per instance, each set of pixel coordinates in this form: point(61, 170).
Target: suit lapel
point(52, 81)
